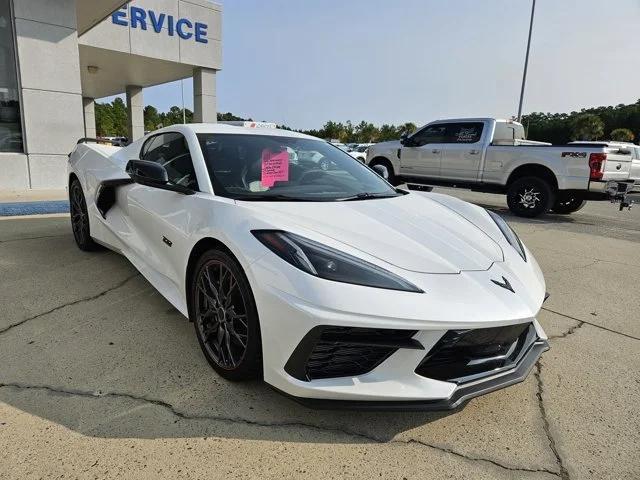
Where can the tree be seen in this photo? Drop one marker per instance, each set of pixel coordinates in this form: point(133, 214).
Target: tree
point(388, 132)
point(622, 135)
point(151, 118)
point(120, 118)
point(104, 120)
point(587, 126)
point(407, 128)
point(174, 116)
point(366, 132)
point(332, 130)
point(230, 117)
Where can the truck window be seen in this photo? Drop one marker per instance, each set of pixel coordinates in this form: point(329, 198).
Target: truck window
point(431, 134)
point(464, 132)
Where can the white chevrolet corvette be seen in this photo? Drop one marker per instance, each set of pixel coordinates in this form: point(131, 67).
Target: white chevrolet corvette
point(329, 283)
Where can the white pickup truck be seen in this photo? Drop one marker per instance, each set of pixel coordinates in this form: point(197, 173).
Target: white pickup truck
point(490, 155)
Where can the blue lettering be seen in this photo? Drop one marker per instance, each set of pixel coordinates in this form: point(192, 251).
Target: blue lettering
point(181, 33)
point(138, 18)
point(201, 32)
point(156, 23)
point(138, 15)
point(119, 17)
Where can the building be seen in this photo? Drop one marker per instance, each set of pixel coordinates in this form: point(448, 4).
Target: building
point(56, 57)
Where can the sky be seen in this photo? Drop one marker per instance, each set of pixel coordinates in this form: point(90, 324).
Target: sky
point(304, 62)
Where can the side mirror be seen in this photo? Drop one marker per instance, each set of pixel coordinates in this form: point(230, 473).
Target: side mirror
point(405, 140)
point(153, 174)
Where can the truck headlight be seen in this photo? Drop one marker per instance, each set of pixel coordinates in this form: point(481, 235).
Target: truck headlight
point(509, 234)
point(325, 262)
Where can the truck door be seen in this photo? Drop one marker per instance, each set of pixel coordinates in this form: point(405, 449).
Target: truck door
point(463, 151)
point(422, 157)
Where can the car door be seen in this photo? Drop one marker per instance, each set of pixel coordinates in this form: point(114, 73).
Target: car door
point(160, 218)
point(421, 158)
point(463, 151)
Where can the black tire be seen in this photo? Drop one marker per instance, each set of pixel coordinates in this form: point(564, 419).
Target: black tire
point(530, 197)
point(567, 203)
point(385, 170)
point(225, 317)
point(80, 218)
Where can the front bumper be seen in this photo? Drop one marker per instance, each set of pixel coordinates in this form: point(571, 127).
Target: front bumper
point(466, 301)
point(460, 396)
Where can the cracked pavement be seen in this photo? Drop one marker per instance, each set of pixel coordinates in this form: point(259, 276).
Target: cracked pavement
point(101, 378)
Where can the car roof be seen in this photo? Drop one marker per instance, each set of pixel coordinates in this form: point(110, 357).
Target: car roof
point(232, 129)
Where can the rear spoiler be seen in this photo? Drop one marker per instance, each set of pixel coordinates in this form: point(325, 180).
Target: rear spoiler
point(115, 143)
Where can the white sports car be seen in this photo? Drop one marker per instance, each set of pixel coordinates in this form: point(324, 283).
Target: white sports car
point(335, 287)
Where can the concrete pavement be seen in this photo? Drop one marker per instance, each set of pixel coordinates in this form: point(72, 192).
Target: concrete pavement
point(101, 378)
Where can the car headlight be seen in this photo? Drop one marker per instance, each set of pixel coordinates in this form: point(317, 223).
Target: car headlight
point(325, 262)
point(509, 234)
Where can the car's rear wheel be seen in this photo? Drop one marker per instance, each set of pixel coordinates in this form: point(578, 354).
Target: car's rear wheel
point(225, 317)
point(530, 196)
point(567, 203)
point(80, 218)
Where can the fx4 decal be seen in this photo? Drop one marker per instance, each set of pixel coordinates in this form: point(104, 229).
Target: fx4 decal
point(574, 154)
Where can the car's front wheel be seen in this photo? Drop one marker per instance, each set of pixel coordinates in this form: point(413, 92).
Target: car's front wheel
point(225, 317)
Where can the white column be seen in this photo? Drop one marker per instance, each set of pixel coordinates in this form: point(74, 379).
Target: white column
point(204, 95)
point(135, 104)
point(89, 106)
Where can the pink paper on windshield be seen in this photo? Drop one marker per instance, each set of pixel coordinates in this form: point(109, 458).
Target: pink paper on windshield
point(275, 167)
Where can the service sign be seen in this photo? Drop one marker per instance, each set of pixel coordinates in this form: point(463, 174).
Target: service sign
point(143, 19)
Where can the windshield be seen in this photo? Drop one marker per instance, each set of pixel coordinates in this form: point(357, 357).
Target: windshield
point(265, 167)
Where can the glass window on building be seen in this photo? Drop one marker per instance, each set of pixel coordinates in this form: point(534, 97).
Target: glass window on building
point(10, 124)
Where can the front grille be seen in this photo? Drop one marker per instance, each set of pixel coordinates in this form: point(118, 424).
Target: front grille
point(465, 355)
point(331, 352)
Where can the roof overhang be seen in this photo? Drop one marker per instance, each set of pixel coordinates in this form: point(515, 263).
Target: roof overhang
point(106, 72)
point(91, 12)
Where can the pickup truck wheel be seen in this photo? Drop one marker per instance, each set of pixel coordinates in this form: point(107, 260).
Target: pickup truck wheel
point(530, 197)
point(385, 170)
point(568, 203)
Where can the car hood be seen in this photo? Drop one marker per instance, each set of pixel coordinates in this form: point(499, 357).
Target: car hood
point(412, 232)
point(392, 144)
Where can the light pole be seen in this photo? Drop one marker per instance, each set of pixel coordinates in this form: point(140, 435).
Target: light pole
point(526, 60)
point(184, 113)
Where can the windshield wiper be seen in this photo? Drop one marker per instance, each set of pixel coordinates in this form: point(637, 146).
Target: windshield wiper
point(270, 198)
point(367, 196)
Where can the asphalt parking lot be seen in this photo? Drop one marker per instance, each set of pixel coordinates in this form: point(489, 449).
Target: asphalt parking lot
point(101, 378)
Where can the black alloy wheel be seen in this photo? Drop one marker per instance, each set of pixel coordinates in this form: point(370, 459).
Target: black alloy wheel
point(80, 218)
point(530, 197)
point(225, 317)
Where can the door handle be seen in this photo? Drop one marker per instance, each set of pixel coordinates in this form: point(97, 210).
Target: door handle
point(474, 152)
point(435, 151)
